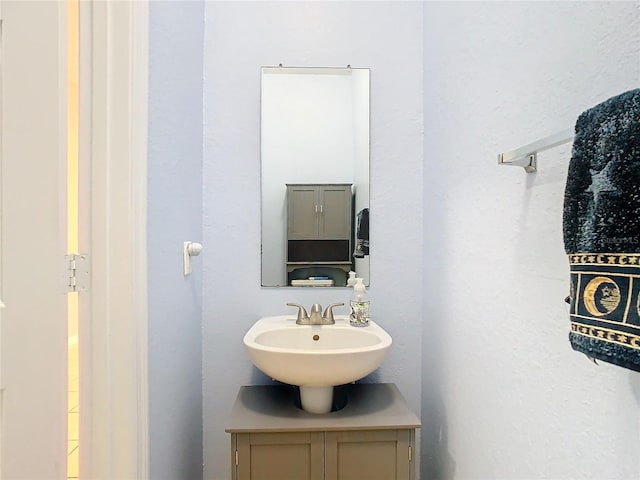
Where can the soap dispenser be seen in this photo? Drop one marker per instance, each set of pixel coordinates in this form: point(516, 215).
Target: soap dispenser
point(351, 281)
point(359, 303)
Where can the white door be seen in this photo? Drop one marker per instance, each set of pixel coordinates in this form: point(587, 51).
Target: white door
point(33, 325)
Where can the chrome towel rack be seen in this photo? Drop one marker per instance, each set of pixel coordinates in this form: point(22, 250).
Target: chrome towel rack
point(526, 156)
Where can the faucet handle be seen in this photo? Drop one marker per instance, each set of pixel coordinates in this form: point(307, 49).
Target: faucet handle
point(328, 313)
point(302, 313)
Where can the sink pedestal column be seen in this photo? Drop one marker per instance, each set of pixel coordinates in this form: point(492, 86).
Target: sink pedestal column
point(316, 399)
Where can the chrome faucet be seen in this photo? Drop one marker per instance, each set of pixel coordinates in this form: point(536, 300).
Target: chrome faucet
point(316, 317)
point(316, 314)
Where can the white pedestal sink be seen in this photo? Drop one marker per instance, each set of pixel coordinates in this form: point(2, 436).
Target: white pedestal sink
point(316, 357)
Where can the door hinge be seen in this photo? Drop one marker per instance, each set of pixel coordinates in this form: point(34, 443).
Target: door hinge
point(77, 272)
point(410, 452)
point(237, 458)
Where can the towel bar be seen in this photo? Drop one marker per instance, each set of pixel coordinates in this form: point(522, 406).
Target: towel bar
point(526, 156)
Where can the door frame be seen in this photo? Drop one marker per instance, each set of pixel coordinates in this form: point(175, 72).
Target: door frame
point(114, 429)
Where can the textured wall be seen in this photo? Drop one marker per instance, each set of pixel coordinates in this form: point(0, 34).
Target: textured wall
point(503, 396)
point(174, 216)
point(239, 38)
point(516, 402)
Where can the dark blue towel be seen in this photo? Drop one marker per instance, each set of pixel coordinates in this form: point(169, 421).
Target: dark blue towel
point(602, 231)
point(362, 234)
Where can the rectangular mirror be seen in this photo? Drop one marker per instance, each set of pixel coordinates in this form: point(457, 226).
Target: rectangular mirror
point(315, 175)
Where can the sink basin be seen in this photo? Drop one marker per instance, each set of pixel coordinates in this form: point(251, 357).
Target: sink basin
point(316, 357)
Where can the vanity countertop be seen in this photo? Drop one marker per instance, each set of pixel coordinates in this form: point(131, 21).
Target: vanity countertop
point(271, 408)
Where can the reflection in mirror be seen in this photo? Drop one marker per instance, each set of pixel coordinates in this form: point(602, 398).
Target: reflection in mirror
point(315, 175)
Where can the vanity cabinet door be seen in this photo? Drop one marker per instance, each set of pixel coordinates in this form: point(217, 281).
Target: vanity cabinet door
point(281, 456)
point(334, 455)
point(369, 454)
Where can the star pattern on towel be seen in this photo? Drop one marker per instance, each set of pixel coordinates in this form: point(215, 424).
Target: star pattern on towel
point(601, 182)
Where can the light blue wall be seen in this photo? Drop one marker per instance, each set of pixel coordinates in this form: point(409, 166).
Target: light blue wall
point(480, 347)
point(241, 37)
point(504, 395)
point(175, 216)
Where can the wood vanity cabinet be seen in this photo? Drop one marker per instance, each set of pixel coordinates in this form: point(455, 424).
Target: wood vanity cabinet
point(372, 438)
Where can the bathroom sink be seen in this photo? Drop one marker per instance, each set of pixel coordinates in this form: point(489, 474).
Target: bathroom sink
point(316, 357)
